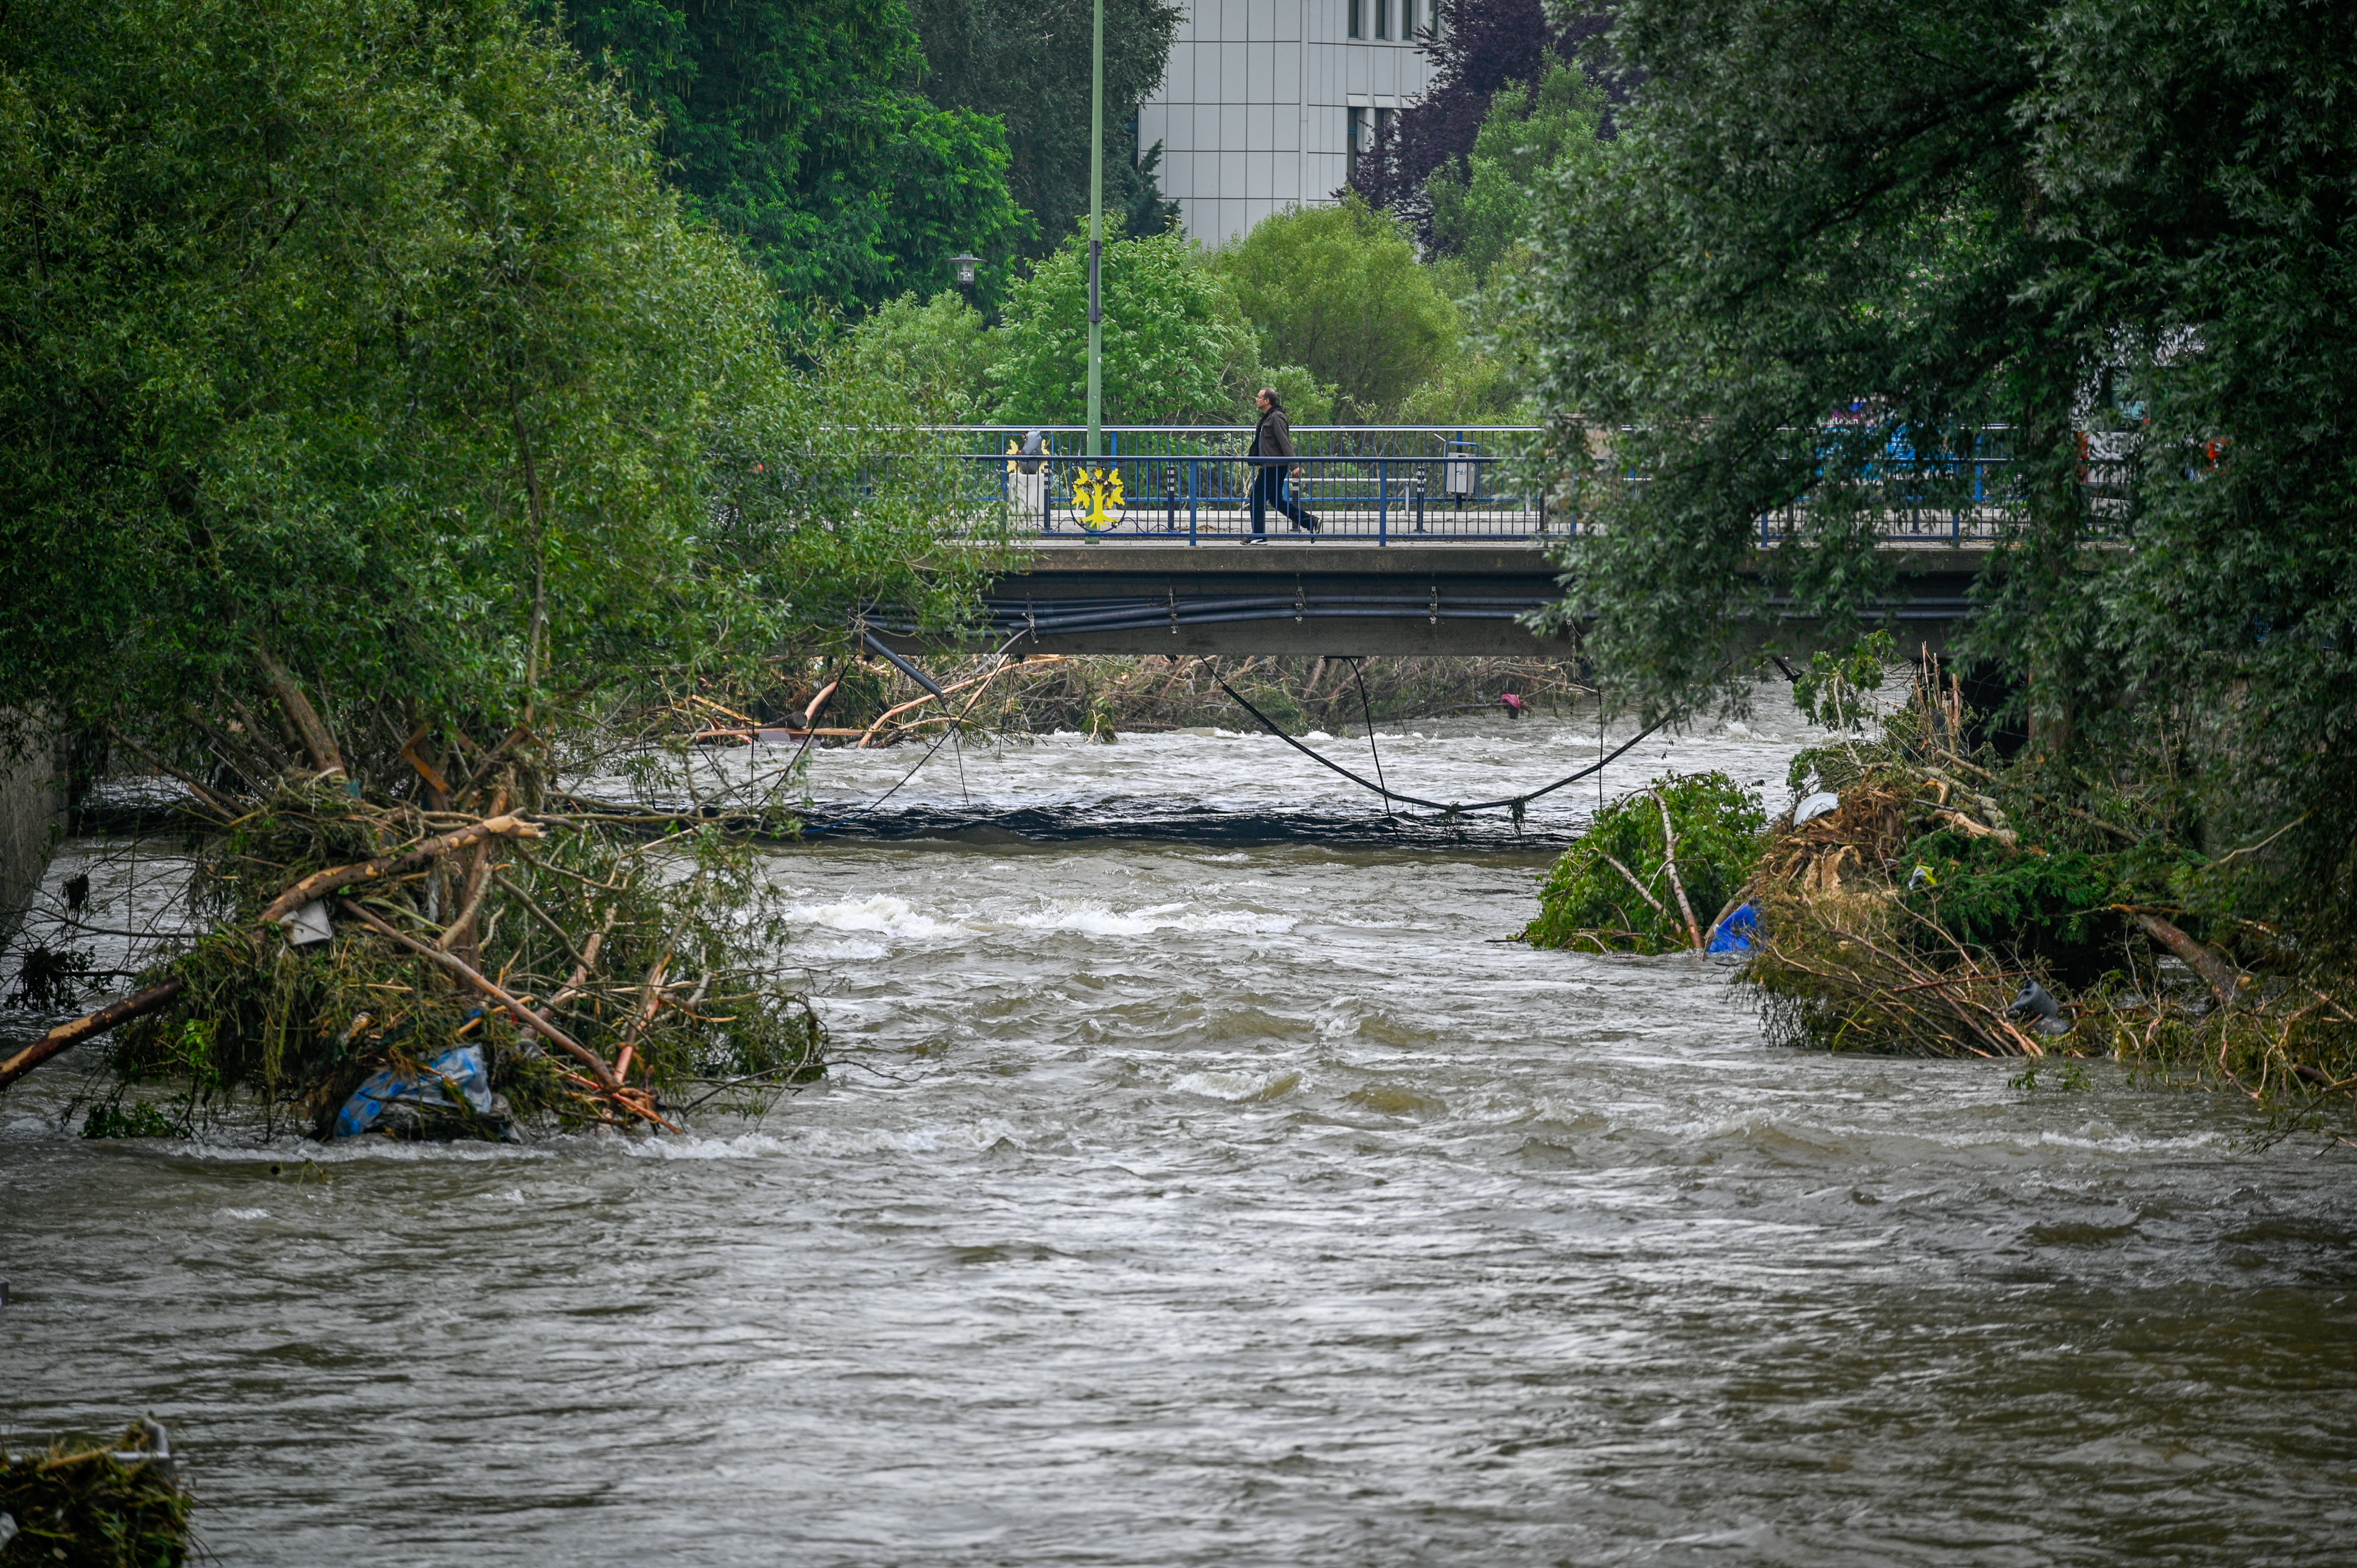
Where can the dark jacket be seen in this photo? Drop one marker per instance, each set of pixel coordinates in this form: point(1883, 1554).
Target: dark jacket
point(1273, 439)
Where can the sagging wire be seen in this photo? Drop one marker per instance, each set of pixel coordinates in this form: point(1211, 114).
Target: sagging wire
point(1366, 711)
point(1514, 803)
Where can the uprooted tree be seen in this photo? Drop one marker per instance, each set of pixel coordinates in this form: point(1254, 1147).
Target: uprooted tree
point(383, 437)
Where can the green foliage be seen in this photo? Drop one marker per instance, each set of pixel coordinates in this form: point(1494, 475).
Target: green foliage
point(1837, 689)
point(2052, 910)
point(363, 341)
point(1027, 62)
point(1485, 209)
point(792, 126)
point(1307, 400)
point(120, 1116)
point(1339, 290)
point(1592, 903)
point(939, 352)
point(1468, 387)
point(1175, 347)
point(79, 1506)
point(1928, 219)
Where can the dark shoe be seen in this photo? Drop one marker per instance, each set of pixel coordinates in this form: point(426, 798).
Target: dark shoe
point(1255, 539)
point(1309, 522)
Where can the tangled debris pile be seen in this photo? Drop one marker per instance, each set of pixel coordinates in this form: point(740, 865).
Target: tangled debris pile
point(1951, 904)
point(1104, 695)
point(89, 1504)
point(1924, 896)
point(384, 969)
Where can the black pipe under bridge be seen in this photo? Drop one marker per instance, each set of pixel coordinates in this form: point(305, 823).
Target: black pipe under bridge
point(1335, 598)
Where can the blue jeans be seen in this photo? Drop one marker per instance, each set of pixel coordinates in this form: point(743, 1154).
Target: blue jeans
point(1268, 490)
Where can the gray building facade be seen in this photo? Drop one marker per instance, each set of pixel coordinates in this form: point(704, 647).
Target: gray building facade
point(1266, 103)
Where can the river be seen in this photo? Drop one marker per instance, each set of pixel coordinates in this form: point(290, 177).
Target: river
point(1223, 1191)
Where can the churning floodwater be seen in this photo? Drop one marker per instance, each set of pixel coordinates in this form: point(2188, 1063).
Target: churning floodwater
point(1226, 1193)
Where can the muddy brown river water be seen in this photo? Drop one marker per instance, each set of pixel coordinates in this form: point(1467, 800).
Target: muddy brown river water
point(1222, 1193)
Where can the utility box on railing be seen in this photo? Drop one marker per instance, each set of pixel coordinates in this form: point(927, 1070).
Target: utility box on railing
point(1460, 474)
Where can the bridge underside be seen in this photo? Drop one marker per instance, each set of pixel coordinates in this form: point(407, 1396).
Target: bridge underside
point(1334, 597)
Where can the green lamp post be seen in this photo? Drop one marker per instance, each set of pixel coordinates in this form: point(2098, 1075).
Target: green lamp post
point(1096, 238)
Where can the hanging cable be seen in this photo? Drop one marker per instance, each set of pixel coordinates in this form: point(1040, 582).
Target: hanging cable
point(1367, 712)
point(1512, 802)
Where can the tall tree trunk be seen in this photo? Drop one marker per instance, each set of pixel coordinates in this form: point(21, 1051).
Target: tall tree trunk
point(310, 731)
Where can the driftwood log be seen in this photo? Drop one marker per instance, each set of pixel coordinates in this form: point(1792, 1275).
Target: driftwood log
point(2203, 959)
point(66, 1036)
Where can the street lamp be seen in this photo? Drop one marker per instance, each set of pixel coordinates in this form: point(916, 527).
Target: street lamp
point(965, 264)
point(1097, 235)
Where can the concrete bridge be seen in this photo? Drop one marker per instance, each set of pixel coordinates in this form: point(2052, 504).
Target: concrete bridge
point(1341, 596)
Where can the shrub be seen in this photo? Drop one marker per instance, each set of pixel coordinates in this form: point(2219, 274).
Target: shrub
point(1613, 890)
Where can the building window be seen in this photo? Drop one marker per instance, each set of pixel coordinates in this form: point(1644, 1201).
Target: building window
point(1384, 18)
point(1354, 143)
point(1356, 7)
point(1382, 128)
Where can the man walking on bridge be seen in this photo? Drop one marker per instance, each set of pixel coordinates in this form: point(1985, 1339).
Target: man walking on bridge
point(1272, 449)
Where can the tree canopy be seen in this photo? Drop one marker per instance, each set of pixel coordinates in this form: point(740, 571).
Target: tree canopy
point(1487, 208)
point(1338, 291)
point(2060, 216)
point(1174, 343)
point(796, 128)
point(363, 371)
point(1027, 63)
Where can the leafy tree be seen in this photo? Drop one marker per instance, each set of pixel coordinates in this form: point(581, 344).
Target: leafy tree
point(369, 396)
point(1338, 291)
point(2046, 197)
point(792, 126)
point(1489, 206)
point(1028, 64)
point(1175, 346)
point(1481, 49)
point(1307, 400)
point(939, 352)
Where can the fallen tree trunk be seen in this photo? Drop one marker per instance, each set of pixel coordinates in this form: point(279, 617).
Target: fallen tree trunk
point(319, 884)
point(2203, 959)
point(66, 1036)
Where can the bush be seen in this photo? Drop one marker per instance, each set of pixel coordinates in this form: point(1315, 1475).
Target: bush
point(1612, 891)
point(939, 352)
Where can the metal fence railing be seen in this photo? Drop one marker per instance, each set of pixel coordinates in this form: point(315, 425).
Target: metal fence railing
point(1412, 483)
point(1462, 496)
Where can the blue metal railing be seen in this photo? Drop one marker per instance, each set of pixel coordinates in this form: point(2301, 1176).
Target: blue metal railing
point(1387, 483)
point(1459, 495)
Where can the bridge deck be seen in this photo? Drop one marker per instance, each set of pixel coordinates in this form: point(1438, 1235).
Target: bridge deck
point(1335, 596)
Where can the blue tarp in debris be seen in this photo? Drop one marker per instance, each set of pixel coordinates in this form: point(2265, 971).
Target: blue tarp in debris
point(1735, 933)
point(462, 1068)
